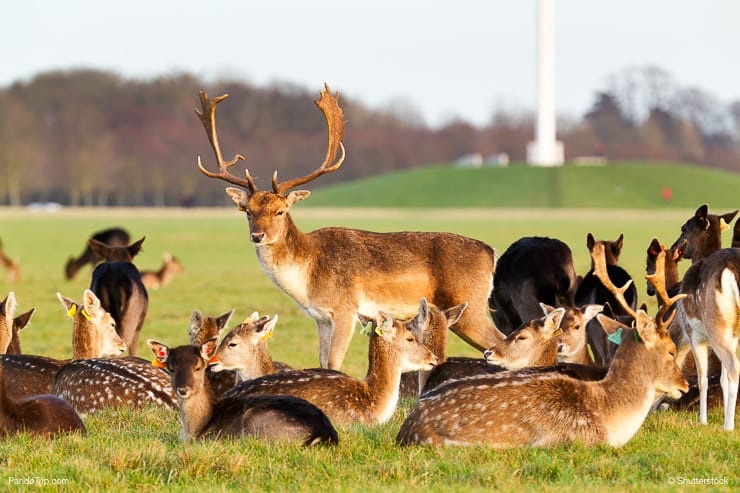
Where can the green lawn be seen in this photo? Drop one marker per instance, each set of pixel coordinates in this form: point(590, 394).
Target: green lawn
point(139, 450)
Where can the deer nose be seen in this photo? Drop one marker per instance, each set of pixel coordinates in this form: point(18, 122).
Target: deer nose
point(487, 353)
point(182, 392)
point(258, 237)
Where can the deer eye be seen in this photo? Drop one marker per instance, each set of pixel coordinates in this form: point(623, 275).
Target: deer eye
point(280, 212)
point(410, 339)
point(232, 344)
point(522, 337)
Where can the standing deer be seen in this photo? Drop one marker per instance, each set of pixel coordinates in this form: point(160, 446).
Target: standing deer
point(393, 349)
point(12, 266)
point(10, 325)
point(117, 282)
point(37, 414)
point(171, 266)
point(336, 273)
point(111, 237)
point(545, 408)
point(271, 417)
point(531, 271)
point(702, 233)
point(93, 336)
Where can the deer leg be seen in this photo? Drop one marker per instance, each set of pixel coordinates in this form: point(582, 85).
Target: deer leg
point(701, 357)
point(325, 328)
point(476, 328)
point(341, 335)
point(729, 383)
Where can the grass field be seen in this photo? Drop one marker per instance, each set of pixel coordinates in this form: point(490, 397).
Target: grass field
point(139, 450)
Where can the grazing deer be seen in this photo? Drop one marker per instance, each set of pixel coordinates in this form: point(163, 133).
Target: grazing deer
point(244, 349)
point(10, 325)
point(162, 277)
point(117, 282)
point(93, 336)
point(272, 417)
point(702, 233)
point(545, 408)
point(346, 400)
point(531, 271)
point(111, 237)
point(336, 273)
point(36, 414)
point(11, 265)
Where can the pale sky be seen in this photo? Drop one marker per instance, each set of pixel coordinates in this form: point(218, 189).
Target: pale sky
point(447, 59)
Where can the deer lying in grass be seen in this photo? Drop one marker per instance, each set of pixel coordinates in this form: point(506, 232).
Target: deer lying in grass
point(117, 283)
point(336, 273)
point(93, 336)
point(111, 236)
point(244, 349)
point(202, 329)
point(273, 417)
point(171, 266)
point(10, 325)
point(12, 266)
point(546, 409)
point(36, 414)
point(393, 349)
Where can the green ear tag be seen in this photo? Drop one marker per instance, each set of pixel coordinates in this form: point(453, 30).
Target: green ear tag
point(365, 330)
point(616, 337)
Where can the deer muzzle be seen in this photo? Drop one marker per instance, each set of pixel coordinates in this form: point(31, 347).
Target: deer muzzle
point(257, 237)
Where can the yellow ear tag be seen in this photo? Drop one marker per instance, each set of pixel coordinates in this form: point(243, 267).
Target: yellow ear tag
point(72, 311)
point(723, 226)
point(85, 314)
point(158, 364)
point(267, 336)
point(557, 332)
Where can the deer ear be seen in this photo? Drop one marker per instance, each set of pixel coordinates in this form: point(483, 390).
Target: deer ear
point(223, 319)
point(591, 311)
point(590, 241)
point(23, 319)
point(645, 327)
point(654, 248)
point(546, 309)
point(208, 349)
point(91, 302)
point(384, 326)
point(268, 327)
point(161, 351)
point(239, 197)
point(9, 304)
point(296, 196)
point(196, 323)
point(552, 322)
point(619, 243)
point(453, 314)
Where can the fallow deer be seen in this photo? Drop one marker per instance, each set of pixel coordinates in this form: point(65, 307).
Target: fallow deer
point(110, 236)
point(273, 417)
point(171, 266)
point(11, 265)
point(545, 408)
point(202, 329)
point(573, 342)
point(37, 414)
point(533, 344)
point(531, 271)
point(393, 349)
point(117, 283)
point(672, 257)
point(702, 233)
point(10, 325)
point(244, 349)
point(93, 336)
point(336, 273)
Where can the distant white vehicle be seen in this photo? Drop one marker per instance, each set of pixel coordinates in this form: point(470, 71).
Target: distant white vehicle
point(473, 160)
point(44, 206)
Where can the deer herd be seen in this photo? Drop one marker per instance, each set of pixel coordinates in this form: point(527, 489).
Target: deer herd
point(563, 358)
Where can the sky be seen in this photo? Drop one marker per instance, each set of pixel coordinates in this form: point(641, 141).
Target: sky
point(463, 59)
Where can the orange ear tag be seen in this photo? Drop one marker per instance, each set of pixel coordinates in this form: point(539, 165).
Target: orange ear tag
point(212, 360)
point(158, 364)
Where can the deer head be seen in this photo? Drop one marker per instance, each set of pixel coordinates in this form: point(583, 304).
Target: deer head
point(203, 328)
point(672, 257)
point(94, 330)
point(116, 253)
point(244, 348)
point(702, 233)
point(10, 325)
point(612, 249)
point(267, 212)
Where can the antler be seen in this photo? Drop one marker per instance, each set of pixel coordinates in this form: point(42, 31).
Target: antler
point(334, 115)
point(658, 280)
point(208, 118)
point(599, 257)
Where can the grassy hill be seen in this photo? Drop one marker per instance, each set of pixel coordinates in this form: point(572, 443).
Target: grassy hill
point(634, 185)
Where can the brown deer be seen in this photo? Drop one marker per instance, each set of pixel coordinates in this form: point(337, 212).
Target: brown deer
point(573, 342)
point(36, 414)
point(244, 349)
point(702, 233)
point(202, 329)
point(273, 417)
point(93, 336)
point(672, 257)
point(171, 266)
point(12, 266)
point(117, 283)
point(110, 236)
point(736, 235)
point(393, 349)
point(544, 408)
point(10, 325)
point(336, 273)
point(533, 344)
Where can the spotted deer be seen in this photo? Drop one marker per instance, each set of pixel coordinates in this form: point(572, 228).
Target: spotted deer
point(10, 325)
point(573, 342)
point(393, 349)
point(37, 414)
point(335, 273)
point(111, 236)
point(702, 233)
point(117, 282)
point(272, 417)
point(244, 349)
point(11, 265)
point(511, 409)
point(155, 279)
point(93, 336)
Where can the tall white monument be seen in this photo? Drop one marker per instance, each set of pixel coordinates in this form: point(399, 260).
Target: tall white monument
point(545, 150)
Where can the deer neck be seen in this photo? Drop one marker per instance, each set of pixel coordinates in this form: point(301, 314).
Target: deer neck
point(548, 356)
point(383, 378)
point(259, 363)
point(196, 411)
point(84, 344)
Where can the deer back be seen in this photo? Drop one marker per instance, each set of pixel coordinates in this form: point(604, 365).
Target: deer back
point(532, 270)
point(111, 237)
point(702, 233)
point(10, 325)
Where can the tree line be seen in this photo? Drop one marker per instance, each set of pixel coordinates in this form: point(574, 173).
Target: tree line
point(89, 137)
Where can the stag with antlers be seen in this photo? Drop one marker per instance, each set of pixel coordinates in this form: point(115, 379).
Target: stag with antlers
point(335, 273)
